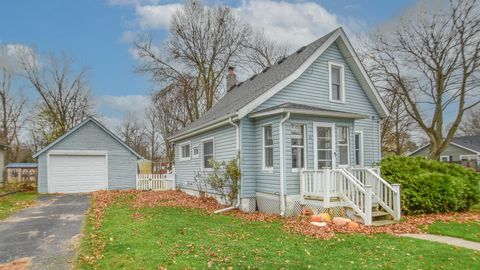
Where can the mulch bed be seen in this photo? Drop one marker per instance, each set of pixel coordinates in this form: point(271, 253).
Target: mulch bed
point(299, 225)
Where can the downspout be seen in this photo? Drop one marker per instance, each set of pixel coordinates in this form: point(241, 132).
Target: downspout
point(282, 165)
point(238, 152)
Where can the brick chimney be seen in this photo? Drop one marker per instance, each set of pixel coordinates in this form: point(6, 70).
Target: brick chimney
point(231, 78)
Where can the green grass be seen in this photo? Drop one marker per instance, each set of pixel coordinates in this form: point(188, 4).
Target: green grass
point(15, 202)
point(468, 231)
point(178, 238)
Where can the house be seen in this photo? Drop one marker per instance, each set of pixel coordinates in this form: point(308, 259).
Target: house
point(305, 129)
point(463, 150)
point(89, 157)
point(21, 172)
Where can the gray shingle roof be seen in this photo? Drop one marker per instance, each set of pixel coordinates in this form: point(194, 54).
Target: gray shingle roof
point(470, 142)
point(247, 91)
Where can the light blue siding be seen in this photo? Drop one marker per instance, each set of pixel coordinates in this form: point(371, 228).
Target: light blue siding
point(224, 148)
point(122, 163)
point(268, 181)
point(249, 158)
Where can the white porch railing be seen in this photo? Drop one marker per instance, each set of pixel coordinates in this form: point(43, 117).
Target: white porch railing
point(358, 188)
point(385, 194)
point(156, 181)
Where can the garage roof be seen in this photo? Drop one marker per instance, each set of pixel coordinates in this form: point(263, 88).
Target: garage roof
point(96, 122)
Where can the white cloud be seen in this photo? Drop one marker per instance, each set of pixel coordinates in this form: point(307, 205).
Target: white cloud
point(131, 2)
point(155, 16)
point(292, 23)
point(128, 36)
point(11, 54)
point(115, 108)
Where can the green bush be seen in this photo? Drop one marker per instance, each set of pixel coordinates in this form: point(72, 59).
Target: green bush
point(430, 186)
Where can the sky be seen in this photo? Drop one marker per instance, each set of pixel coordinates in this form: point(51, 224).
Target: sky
point(98, 34)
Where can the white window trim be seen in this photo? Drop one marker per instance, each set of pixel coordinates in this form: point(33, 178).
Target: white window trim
point(315, 150)
point(448, 158)
point(181, 151)
point(267, 169)
point(348, 147)
point(342, 81)
point(305, 161)
point(361, 148)
point(201, 154)
point(469, 157)
point(193, 152)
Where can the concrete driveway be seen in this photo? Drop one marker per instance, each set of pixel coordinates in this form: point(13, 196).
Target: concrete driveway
point(45, 233)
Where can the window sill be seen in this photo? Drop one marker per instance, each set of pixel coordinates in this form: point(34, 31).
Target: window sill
point(267, 170)
point(337, 101)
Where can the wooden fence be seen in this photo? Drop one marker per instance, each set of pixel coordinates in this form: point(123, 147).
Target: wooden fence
point(156, 181)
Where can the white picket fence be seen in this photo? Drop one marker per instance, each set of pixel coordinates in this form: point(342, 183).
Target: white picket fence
point(156, 181)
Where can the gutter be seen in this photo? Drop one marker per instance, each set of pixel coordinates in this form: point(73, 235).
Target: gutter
point(238, 151)
point(205, 127)
point(282, 165)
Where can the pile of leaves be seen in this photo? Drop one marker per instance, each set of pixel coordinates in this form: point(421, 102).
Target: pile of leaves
point(410, 224)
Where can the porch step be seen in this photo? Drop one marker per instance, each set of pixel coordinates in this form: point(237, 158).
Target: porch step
point(377, 214)
point(383, 222)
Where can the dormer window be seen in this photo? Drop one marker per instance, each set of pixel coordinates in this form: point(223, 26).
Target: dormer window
point(337, 82)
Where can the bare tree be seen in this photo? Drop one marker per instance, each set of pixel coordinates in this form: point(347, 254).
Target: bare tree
point(396, 128)
point(132, 132)
point(261, 52)
point(434, 64)
point(203, 42)
point(12, 106)
point(65, 96)
point(152, 133)
point(470, 125)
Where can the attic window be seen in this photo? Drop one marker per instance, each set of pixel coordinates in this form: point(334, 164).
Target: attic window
point(301, 49)
point(337, 82)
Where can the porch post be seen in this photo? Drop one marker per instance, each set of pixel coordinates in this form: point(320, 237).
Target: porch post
point(397, 211)
point(326, 188)
point(368, 205)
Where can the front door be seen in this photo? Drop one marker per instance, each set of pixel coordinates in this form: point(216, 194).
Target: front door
point(324, 145)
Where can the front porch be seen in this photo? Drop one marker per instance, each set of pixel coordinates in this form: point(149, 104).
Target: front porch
point(360, 188)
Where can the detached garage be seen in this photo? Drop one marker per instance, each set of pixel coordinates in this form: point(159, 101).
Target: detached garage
point(87, 158)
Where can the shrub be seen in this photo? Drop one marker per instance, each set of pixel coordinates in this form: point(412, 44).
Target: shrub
point(430, 186)
point(224, 179)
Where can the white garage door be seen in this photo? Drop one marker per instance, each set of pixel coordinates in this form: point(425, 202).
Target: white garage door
point(77, 173)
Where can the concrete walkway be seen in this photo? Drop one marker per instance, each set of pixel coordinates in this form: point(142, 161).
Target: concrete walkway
point(45, 233)
point(446, 240)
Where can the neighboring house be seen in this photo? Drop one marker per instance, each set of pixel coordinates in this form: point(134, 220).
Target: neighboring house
point(89, 157)
point(311, 117)
point(464, 150)
point(21, 172)
point(3, 157)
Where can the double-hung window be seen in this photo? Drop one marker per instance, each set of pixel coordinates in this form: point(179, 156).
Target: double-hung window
point(267, 148)
point(185, 151)
point(358, 148)
point(342, 144)
point(337, 87)
point(298, 146)
point(207, 154)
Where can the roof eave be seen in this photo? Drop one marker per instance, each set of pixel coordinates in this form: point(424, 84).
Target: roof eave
point(203, 128)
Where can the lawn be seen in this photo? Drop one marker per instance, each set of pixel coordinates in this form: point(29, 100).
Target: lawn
point(15, 202)
point(468, 231)
point(180, 238)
